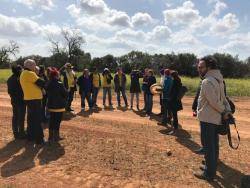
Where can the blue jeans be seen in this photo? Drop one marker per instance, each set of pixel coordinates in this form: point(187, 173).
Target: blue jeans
point(94, 95)
point(211, 146)
point(123, 95)
point(149, 103)
point(87, 96)
point(107, 90)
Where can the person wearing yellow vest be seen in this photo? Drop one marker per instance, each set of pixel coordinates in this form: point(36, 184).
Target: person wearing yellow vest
point(96, 84)
point(69, 81)
point(32, 89)
point(107, 78)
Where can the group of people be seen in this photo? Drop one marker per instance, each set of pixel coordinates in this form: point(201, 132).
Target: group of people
point(47, 96)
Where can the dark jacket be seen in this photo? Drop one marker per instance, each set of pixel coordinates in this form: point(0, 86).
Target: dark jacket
point(175, 103)
point(135, 82)
point(57, 94)
point(195, 102)
point(145, 83)
point(15, 90)
point(151, 80)
point(119, 87)
point(85, 84)
point(167, 85)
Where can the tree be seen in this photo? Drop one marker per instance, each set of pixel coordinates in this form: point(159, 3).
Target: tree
point(69, 45)
point(6, 51)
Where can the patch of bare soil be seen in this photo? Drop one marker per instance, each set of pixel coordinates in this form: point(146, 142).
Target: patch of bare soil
point(119, 148)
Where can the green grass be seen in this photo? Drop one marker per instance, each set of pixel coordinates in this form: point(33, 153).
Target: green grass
point(235, 87)
point(4, 75)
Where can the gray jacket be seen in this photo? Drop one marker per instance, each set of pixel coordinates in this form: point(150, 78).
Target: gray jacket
point(212, 101)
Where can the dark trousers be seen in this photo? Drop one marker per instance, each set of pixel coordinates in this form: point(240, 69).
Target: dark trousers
point(166, 111)
point(18, 118)
point(107, 90)
point(161, 103)
point(55, 120)
point(34, 114)
point(211, 146)
point(70, 97)
point(149, 103)
point(123, 92)
point(44, 103)
point(145, 100)
point(87, 96)
point(175, 119)
point(94, 95)
point(202, 134)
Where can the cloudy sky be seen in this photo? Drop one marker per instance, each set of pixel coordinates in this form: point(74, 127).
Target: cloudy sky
point(119, 26)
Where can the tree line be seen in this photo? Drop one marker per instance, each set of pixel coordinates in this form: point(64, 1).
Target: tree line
point(68, 48)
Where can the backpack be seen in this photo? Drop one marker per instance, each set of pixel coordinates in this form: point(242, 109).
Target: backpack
point(182, 92)
point(224, 129)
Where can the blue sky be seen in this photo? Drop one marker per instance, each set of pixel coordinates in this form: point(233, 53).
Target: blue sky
point(119, 26)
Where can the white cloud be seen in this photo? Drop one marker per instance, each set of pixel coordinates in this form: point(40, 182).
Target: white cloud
point(87, 12)
point(24, 27)
point(12, 26)
point(185, 14)
point(119, 18)
point(219, 7)
point(44, 4)
point(129, 34)
point(227, 24)
point(93, 7)
point(160, 33)
point(142, 19)
point(185, 38)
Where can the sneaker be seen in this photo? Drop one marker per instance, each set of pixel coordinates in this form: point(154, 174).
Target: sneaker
point(83, 109)
point(200, 151)
point(173, 132)
point(202, 167)
point(203, 176)
point(137, 107)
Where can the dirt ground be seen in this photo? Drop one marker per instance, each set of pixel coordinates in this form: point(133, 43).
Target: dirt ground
point(119, 148)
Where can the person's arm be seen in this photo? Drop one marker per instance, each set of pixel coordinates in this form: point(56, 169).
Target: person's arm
point(63, 91)
point(40, 83)
point(195, 102)
point(207, 89)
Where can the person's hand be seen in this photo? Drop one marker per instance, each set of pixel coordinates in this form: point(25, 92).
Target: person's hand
point(194, 114)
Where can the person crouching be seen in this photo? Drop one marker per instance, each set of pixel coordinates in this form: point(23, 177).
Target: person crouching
point(57, 99)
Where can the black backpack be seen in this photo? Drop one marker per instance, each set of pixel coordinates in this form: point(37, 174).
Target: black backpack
point(182, 92)
point(224, 129)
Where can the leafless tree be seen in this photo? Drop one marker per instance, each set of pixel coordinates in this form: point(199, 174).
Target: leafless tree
point(70, 43)
point(7, 50)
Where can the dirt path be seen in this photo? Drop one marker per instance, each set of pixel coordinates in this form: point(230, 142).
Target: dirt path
point(119, 148)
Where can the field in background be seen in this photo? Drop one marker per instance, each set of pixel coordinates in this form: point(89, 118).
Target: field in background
point(235, 87)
